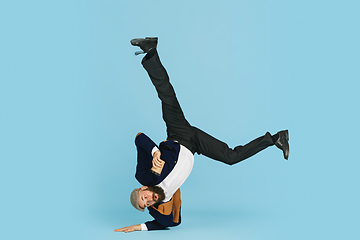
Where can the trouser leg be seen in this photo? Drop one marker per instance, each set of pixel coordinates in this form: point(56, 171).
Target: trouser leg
point(218, 150)
point(193, 138)
point(177, 127)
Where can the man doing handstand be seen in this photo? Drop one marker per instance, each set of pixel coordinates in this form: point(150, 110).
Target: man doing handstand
point(163, 169)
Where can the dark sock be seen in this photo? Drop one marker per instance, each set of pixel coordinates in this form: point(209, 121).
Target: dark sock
point(275, 137)
point(150, 54)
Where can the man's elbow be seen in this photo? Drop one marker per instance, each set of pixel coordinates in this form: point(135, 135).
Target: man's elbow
point(138, 134)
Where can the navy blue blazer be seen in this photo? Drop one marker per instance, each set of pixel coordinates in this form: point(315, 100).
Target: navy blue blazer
point(169, 153)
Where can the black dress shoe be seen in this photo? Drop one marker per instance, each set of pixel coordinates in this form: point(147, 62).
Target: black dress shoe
point(283, 143)
point(146, 44)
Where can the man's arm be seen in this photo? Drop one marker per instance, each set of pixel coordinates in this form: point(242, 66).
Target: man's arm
point(145, 143)
point(146, 147)
point(145, 153)
point(129, 229)
point(148, 226)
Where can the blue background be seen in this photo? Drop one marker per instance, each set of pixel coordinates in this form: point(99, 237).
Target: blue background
point(73, 96)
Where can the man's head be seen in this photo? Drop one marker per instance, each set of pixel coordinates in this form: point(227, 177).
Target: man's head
point(146, 196)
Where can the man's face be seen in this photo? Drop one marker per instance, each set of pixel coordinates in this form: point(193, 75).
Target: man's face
point(147, 198)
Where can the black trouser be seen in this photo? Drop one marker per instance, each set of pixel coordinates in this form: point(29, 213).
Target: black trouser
point(191, 137)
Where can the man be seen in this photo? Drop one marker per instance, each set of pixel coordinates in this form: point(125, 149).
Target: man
point(160, 192)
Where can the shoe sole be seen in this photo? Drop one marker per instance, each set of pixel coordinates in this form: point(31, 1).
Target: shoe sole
point(135, 41)
point(287, 139)
point(287, 135)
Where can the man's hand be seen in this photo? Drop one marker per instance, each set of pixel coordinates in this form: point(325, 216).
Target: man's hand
point(157, 162)
point(129, 229)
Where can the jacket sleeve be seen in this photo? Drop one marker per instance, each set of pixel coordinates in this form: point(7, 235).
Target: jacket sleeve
point(154, 225)
point(144, 143)
point(165, 223)
point(144, 147)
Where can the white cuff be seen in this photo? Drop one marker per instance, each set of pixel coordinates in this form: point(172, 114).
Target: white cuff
point(154, 150)
point(143, 227)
